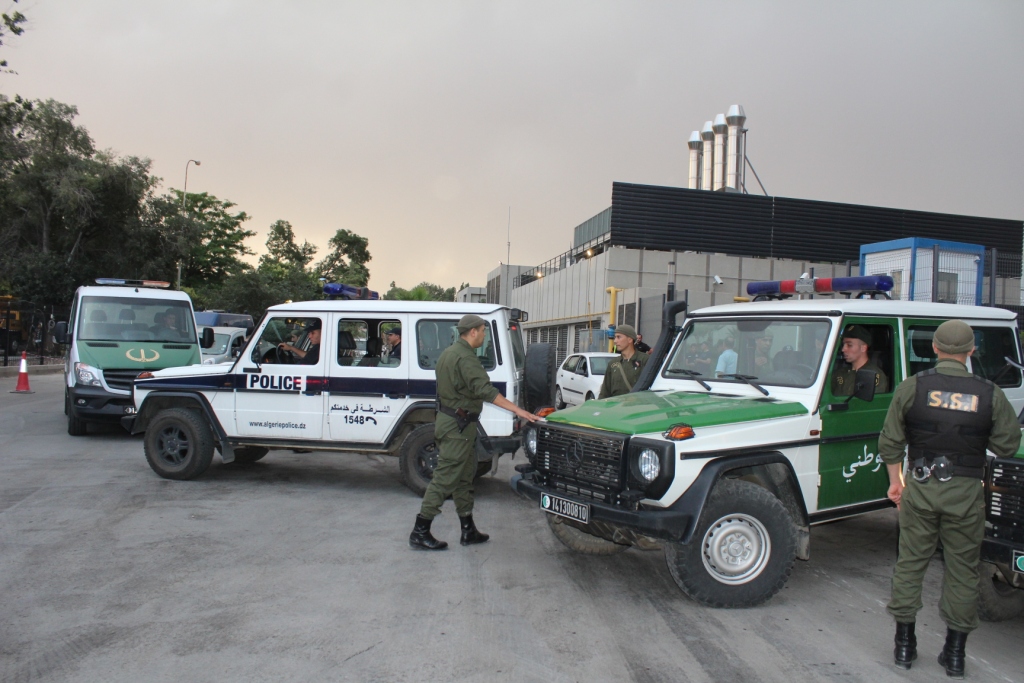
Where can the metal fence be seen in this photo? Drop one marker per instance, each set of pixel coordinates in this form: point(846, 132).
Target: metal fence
point(27, 327)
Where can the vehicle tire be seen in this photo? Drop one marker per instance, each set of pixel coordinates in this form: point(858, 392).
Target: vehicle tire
point(579, 540)
point(539, 376)
point(742, 551)
point(589, 397)
point(559, 403)
point(179, 444)
point(248, 454)
point(482, 468)
point(418, 458)
point(997, 600)
point(76, 427)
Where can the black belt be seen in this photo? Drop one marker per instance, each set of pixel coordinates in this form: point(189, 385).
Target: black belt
point(922, 468)
point(462, 416)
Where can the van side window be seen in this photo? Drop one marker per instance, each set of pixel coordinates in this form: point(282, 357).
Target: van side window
point(992, 345)
point(361, 343)
point(292, 331)
point(920, 355)
point(434, 336)
point(880, 354)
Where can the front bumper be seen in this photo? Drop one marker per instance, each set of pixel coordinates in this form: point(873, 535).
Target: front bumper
point(95, 404)
point(668, 524)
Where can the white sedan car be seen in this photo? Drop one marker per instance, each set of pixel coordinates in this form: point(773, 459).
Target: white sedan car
point(580, 377)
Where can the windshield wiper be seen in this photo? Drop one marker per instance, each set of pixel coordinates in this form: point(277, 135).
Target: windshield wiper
point(749, 379)
point(692, 374)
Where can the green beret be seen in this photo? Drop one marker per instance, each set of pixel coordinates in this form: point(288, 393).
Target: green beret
point(857, 332)
point(626, 330)
point(954, 336)
point(470, 322)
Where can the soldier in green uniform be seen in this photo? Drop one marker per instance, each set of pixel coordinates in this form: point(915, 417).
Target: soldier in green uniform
point(947, 418)
point(462, 388)
point(622, 373)
point(856, 349)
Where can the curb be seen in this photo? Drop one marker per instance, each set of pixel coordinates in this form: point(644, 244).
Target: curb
point(12, 370)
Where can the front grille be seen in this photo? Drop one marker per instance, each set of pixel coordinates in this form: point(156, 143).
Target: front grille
point(585, 463)
point(121, 379)
point(1006, 500)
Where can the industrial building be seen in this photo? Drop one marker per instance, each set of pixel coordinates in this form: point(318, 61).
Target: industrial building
point(710, 244)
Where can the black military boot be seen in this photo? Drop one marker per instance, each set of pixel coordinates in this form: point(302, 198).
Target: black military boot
point(421, 538)
point(469, 533)
point(952, 655)
point(906, 645)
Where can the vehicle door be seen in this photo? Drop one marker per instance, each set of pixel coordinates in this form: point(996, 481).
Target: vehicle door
point(436, 333)
point(280, 394)
point(369, 389)
point(567, 380)
point(849, 468)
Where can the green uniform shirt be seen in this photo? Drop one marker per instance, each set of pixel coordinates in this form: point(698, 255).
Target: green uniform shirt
point(845, 378)
point(1003, 441)
point(619, 371)
point(462, 381)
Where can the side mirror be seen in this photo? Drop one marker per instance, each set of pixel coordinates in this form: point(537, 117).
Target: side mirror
point(236, 353)
point(206, 341)
point(60, 332)
point(864, 388)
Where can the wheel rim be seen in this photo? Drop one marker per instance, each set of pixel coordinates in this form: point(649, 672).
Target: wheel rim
point(558, 398)
point(736, 549)
point(426, 461)
point(172, 446)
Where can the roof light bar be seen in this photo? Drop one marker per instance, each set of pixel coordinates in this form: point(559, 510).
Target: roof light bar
point(119, 282)
point(337, 290)
point(821, 285)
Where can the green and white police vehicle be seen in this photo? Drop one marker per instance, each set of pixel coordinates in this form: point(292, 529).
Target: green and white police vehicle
point(117, 330)
point(728, 471)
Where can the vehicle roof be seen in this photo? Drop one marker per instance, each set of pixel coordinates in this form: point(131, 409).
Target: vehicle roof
point(904, 309)
point(368, 306)
point(135, 292)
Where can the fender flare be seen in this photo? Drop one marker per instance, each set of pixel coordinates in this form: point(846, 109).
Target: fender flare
point(695, 499)
point(149, 408)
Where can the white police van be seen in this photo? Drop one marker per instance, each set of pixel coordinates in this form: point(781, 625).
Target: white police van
point(351, 393)
point(729, 470)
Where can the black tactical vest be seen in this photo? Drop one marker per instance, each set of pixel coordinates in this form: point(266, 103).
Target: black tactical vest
point(951, 416)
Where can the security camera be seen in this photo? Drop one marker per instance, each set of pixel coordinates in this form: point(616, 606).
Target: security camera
point(718, 280)
point(804, 276)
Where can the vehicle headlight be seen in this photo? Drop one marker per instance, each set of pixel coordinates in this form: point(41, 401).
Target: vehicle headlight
point(530, 441)
point(87, 375)
point(649, 465)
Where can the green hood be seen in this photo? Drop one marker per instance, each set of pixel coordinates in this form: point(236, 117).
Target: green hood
point(646, 412)
point(137, 355)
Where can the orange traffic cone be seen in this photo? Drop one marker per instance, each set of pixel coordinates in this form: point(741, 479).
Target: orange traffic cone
point(22, 387)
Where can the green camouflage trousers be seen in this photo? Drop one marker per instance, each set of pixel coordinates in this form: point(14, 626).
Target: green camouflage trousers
point(953, 512)
point(456, 468)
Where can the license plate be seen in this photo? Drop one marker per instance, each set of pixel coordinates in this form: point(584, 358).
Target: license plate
point(579, 512)
point(1018, 561)
point(129, 410)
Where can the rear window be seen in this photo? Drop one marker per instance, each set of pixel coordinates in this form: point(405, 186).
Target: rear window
point(434, 336)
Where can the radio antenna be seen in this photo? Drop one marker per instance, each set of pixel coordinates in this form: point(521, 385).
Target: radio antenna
point(508, 255)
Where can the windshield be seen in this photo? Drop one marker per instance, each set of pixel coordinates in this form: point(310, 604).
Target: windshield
point(780, 352)
point(111, 318)
point(220, 345)
point(598, 364)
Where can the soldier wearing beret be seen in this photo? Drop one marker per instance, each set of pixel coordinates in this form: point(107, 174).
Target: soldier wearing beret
point(462, 388)
point(622, 372)
point(946, 418)
point(855, 350)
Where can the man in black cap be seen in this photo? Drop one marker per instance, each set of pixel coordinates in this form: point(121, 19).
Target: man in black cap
point(623, 372)
point(946, 418)
point(394, 339)
point(462, 388)
point(856, 348)
point(310, 356)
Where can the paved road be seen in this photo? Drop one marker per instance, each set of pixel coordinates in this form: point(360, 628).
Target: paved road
point(296, 569)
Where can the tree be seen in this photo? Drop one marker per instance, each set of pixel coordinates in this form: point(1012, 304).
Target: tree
point(282, 250)
point(424, 291)
point(12, 23)
point(346, 261)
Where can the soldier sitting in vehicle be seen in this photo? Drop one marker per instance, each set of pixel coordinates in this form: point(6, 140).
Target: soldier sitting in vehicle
point(856, 349)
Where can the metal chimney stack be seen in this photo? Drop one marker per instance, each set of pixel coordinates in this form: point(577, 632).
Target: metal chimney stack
point(695, 146)
point(735, 119)
point(707, 136)
point(720, 128)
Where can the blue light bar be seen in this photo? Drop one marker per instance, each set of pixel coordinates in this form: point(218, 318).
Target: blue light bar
point(821, 285)
point(337, 290)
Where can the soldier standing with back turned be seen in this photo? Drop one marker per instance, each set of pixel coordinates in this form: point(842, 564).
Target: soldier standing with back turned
point(947, 418)
point(462, 388)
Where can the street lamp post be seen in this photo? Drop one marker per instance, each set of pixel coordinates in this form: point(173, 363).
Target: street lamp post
point(184, 193)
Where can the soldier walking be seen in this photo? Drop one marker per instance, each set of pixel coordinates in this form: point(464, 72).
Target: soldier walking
point(623, 372)
point(462, 388)
point(947, 418)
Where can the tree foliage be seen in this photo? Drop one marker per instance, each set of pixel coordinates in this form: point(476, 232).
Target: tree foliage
point(346, 261)
point(11, 24)
point(424, 291)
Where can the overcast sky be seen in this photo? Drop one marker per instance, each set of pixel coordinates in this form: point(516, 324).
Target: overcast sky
point(418, 124)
